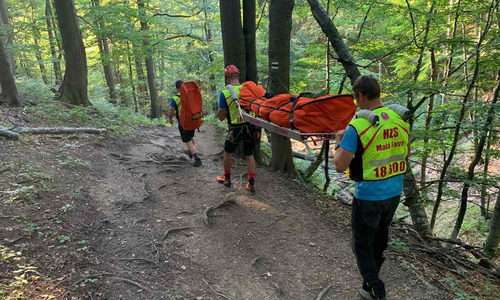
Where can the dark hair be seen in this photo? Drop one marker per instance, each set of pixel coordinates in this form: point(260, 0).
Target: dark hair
point(368, 86)
point(178, 84)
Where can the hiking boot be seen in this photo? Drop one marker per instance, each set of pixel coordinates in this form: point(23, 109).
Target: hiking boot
point(368, 292)
point(188, 153)
point(224, 180)
point(250, 186)
point(197, 162)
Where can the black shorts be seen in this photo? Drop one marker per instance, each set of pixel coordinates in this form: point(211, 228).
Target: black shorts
point(186, 135)
point(240, 133)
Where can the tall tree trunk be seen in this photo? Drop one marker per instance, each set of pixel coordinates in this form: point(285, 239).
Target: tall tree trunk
point(139, 69)
point(8, 83)
point(477, 156)
point(74, 85)
point(456, 134)
point(249, 33)
point(484, 185)
point(36, 36)
point(39, 58)
point(131, 76)
point(414, 202)
point(208, 38)
point(428, 118)
point(491, 245)
point(4, 20)
point(50, 28)
point(233, 40)
point(333, 35)
point(153, 95)
point(102, 42)
point(280, 26)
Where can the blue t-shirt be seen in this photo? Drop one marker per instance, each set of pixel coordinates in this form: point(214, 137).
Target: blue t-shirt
point(371, 190)
point(174, 105)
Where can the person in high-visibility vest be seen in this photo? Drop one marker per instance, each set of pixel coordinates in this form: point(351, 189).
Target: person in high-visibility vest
point(239, 130)
point(375, 158)
point(186, 135)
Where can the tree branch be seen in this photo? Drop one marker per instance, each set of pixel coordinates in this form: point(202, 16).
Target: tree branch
point(175, 16)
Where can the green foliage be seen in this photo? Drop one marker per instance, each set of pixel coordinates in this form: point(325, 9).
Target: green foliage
point(33, 88)
point(459, 293)
point(399, 246)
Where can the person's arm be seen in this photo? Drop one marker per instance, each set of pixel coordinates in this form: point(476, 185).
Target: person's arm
point(347, 141)
point(171, 114)
point(222, 111)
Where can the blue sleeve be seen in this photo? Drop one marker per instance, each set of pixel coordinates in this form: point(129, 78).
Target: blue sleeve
point(350, 140)
point(172, 103)
point(222, 101)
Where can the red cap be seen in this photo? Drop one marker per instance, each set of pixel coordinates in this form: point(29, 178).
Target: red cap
point(230, 70)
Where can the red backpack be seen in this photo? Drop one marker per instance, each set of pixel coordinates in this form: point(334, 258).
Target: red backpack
point(191, 111)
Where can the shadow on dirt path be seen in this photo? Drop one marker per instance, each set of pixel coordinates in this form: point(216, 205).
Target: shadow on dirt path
point(144, 219)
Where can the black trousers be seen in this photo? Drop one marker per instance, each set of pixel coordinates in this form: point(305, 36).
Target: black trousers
point(370, 227)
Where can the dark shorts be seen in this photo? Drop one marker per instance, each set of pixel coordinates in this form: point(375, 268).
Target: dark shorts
point(240, 133)
point(186, 135)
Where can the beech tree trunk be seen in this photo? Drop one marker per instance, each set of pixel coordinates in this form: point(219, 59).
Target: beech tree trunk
point(280, 26)
point(233, 40)
point(102, 42)
point(4, 20)
point(153, 95)
point(74, 86)
point(326, 24)
point(249, 33)
point(491, 245)
point(50, 31)
point(9, 90)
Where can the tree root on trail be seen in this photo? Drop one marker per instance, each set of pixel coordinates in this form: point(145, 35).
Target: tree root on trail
point(217, 293)
point(172, 230)
point(323, 292)
point(91, 276)
point(13, 132)
point(132, 282)
point(140, 259)
point(206, 217)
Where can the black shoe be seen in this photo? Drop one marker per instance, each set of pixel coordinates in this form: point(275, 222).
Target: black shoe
point(197, 162)
point(375, 291)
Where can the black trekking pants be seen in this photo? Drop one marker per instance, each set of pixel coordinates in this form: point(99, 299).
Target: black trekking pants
point(370, 227)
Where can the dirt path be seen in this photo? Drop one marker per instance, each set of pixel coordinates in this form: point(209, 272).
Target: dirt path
point(140, 205)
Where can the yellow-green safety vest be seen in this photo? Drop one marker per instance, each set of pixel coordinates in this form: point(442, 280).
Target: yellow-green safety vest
point(177, 99)
point(384, 147)
point(234, 116)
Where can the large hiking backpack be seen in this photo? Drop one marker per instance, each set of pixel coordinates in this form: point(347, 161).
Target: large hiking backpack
point(191, 111)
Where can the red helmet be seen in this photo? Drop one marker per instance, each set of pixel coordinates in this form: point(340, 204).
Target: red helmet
point(230, 70)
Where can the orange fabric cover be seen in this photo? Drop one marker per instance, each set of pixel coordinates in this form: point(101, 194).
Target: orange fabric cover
point(250, 92)
point(191, 113)
point(329, 113)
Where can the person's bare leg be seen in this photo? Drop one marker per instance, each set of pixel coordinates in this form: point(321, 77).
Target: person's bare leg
point(228, 161)
point(251, 165)
point(191, 147)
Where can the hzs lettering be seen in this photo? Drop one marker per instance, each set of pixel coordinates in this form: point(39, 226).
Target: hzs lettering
point(390, 133)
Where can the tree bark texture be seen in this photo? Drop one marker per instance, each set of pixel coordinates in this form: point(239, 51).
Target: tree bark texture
point(4, 20)
point(280, 26)
point(477, 156)
point(139, 69)
point(415, 203)
point(233, 40)
point(7, 81)
point(249, 33)
point(74, 86)
point(344, 56)
point(153, 95)
point(491, 245)
point(102, 42)
point(52, 42)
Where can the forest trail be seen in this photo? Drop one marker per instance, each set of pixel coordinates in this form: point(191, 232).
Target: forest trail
point(140, 207)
